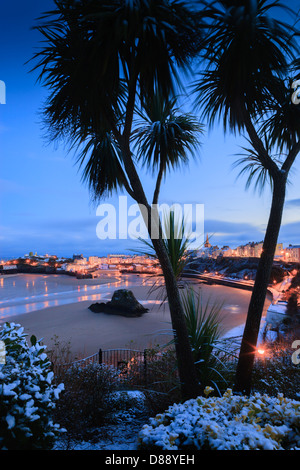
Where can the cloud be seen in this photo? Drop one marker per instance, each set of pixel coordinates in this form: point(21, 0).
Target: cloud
point(292, 203)
point(59, 236)
point(290, 233)
point(230, 228)
point(81, 224)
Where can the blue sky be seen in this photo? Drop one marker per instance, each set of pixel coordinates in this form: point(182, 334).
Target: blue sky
point(44, 207)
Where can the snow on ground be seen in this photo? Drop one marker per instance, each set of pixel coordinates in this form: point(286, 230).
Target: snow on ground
point(121, 436)
point(123, 426)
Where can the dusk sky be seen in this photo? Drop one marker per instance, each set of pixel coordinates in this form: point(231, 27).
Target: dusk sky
point(46, 208)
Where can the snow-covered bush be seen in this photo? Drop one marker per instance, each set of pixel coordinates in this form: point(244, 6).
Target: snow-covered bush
point(126, 405)
point(27, 397)
point(82, 404)
point(230, 422)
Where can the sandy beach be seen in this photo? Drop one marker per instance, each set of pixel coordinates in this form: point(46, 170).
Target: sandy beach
point(86, 332)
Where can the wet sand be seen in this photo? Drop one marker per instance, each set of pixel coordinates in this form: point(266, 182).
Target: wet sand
point(86, 332)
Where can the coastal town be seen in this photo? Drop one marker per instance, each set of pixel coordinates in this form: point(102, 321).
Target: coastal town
point(80, 265)
point(232, 267)
point(149, 302)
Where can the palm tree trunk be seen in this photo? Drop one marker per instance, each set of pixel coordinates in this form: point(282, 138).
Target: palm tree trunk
point(257, 301)
point(189, 381)
point(190, 386)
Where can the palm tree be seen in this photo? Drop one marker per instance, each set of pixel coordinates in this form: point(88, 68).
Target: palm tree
point(203, 320)
point(177, 244)
point(204, 326)
point(102, 60)
point(244, 86)
point(165, 137)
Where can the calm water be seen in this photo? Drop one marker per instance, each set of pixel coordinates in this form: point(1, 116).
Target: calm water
point(23, 293)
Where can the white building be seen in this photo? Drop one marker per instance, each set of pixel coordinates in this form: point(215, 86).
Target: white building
point(292, 253)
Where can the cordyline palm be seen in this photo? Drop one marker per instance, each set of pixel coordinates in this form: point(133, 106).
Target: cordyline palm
point(176, 242)
point(202, 319)
point(244, 86)
point(101, 61)
point(165, 137)
point(204, 326)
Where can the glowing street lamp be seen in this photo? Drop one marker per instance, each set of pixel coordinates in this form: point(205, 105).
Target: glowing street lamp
point(261, 351)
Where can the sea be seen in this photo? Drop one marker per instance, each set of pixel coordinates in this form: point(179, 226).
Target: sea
point(24, 293)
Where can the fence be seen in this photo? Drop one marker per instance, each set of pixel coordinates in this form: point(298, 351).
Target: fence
point(129, 363)
point(144, 366)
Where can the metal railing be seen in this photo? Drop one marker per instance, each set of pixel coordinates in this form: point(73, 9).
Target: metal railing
point(138, 365)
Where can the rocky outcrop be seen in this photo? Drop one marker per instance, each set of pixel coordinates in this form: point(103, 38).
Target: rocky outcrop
point(123, 303)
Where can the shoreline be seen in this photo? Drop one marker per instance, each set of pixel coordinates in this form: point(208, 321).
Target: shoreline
point(57, 290)
point(85, 332)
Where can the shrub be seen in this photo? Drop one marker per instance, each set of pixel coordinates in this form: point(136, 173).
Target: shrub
point(230, 422)
point(275, 372)
point(156, 375)
point(203, 322)
point(126, 405)
point(59, 352)
point(27, 398)
point(82, 404)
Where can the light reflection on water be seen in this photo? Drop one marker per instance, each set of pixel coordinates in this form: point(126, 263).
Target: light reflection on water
point(21, 294)
point(233, 308)
point(29, 292)
point(32, 306)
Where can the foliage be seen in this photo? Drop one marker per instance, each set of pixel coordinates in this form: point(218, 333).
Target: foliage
point(82, 403)
point(250, 52)
point(245, 86)
point(231, 422)
point(27, 396)
point(165, 135)
point(102, 59)
point(160, 382)
point(59, 353)
point(176, 241)
point(251, 164)
point(204, 328)
point(293, 306)
point(295, 283)
point(275, 372)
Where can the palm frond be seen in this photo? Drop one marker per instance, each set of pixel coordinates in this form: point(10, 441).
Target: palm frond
point(98, 59)
point(258, 175)
point(250, 50)
point(164, 137)
point(91, 46)
point(100, 160)
point(203, 320)
point(283, 124)
point(176, 242)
